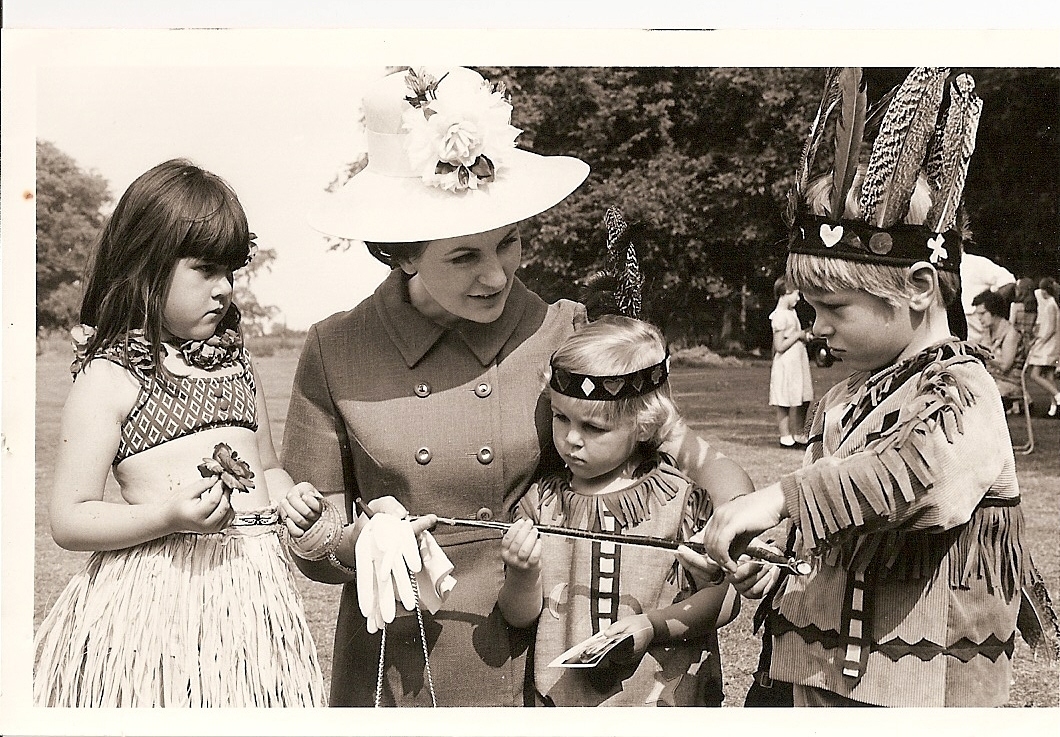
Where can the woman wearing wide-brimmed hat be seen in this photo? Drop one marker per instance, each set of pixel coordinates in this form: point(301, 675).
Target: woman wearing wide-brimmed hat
point(431, 390)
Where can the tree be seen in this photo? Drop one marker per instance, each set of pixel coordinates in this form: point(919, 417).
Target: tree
point(701, 157)
point(69, 208)
point(256, 317)
point(1013, 187)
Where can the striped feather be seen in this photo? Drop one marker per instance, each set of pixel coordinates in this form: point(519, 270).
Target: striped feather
point(962, 122)
point(849, 129)
point(933, 163)
point(899, 149)
point(829, 99)
point(874, 117)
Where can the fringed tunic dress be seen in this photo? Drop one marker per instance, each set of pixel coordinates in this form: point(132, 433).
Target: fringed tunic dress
point(909, 507)
point(203, 620)
point(588, 585)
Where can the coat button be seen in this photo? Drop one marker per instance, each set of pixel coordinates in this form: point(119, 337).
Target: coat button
point(485, 514)
point(223, 405)
point(483, 390)
point(423, 456)
point(423, 389)
point(485, 456)
point(218, 391)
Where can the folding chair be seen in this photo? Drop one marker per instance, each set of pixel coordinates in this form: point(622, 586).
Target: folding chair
point(1027, 447)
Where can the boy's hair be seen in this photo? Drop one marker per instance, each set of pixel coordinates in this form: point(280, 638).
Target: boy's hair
point(175, 210)
point(614, 345)
point(993, 302)
point(890, 283)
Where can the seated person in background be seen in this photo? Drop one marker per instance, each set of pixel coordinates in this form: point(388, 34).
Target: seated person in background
point(979, 273)
point(1003, 341)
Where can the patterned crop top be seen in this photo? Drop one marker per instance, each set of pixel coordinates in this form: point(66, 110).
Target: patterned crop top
point(168, 408)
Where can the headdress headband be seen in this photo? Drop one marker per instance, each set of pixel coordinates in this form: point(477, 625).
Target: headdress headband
point(910, 136)
point(610, 388)
point(617, 286)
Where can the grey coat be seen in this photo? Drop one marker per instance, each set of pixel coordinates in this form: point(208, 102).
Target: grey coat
point(449, 421)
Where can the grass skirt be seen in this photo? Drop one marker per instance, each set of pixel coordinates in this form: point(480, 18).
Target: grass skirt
point(185, 620)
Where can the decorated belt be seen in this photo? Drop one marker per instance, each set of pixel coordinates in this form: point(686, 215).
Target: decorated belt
point(255, 519)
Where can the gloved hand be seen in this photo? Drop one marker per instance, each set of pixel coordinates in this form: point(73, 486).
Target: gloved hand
point(386, 555)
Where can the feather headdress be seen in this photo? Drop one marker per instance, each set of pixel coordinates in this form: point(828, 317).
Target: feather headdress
point(879, 157)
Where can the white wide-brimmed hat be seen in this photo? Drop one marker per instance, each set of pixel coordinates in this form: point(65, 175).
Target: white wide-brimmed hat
point(442, 163)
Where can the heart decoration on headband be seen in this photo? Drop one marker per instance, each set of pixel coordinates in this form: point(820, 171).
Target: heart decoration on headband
point(610, 388)
point(831, 235)
point(614, 385)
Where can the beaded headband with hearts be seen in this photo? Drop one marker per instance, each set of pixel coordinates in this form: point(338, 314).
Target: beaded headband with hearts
point(878, 156)
point(854, 240)
point(610, 388)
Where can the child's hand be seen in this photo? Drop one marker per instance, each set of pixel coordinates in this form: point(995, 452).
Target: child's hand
point(301, 508)
point(201, 506)
point(733, 524)
point(702, 569)
point(521, 547)
point(754, 579)
point(637, 625)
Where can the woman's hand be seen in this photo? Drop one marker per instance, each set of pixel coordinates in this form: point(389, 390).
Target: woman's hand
point(301, 507)
point(201, 505)
point(521, 547)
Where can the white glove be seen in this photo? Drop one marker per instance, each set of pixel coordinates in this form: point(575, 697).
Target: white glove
point(434, 580)
point(386, 553)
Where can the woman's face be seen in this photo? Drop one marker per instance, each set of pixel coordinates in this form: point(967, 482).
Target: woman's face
point(465, 278)
point(987, 319)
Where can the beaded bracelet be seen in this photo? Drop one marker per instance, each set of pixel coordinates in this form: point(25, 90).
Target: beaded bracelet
point(320, 540)
point(334, 560)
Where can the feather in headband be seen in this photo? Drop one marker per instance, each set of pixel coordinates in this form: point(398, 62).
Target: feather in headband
point(909, 136)
point(615, 289)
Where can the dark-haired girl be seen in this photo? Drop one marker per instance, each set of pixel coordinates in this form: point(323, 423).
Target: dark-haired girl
point(187, 598)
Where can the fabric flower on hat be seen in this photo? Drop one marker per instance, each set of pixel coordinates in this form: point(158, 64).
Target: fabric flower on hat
point(458, 132)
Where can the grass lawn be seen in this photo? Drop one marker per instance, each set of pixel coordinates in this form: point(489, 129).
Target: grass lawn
point(727, 404)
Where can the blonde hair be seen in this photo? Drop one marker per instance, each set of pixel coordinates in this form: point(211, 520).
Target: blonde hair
point(611, 346)
point(890, 283)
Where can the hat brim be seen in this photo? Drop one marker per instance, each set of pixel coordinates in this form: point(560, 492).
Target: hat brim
point(385, 209)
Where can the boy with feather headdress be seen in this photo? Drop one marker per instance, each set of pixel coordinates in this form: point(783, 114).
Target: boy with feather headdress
point(907, 502)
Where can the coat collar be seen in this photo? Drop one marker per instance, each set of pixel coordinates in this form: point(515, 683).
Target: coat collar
point(413, 334)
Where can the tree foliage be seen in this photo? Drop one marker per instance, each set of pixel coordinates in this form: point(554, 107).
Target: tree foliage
point(701, 157)
point(704, 157)
point(257, 318)
point(69, 208)
point(1013, 187)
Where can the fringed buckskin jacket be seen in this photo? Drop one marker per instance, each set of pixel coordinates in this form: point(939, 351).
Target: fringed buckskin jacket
point(909, 507)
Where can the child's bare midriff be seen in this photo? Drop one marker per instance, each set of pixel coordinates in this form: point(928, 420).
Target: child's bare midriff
point(148, 477)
